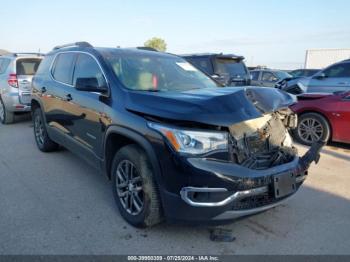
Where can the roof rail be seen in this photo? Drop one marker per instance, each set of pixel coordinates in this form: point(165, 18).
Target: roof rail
point(147, 48)
point(79, 44)
point(18, 54)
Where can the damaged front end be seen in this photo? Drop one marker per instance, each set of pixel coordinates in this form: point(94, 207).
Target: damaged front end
point(262, 143)
point(238, 162)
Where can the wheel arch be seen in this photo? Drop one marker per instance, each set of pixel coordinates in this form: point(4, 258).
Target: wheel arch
point(117, 137)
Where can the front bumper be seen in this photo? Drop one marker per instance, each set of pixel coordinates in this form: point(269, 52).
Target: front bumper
point(242, 191)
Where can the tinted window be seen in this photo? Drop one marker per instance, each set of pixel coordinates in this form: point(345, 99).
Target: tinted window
point(230, 67)
point(269, 77)
point(27, 66)
point(45, 64)
point(340, 70)
point(255, 75)
point(63, 67)
point(4, 64)
point(282, 75)
point(203, 64)
point(87, 67)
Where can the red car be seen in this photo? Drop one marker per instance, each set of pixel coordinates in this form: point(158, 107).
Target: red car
point(323, 116)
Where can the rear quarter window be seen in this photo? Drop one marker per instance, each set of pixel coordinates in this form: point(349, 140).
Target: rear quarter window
point(44, 66)
point(27, 66)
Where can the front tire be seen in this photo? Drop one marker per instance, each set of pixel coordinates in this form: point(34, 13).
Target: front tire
point(6, 117)
point(42, 139)
point(312, 127)
point(134, 187)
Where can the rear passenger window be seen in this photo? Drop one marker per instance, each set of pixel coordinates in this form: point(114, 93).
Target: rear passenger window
point(4, 64)
point(87, 67)
point(63, 68)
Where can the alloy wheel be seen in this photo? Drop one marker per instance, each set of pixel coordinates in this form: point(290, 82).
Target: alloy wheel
point(310, 130)
point(129, 187)
point(39, 130)
point(2, 112)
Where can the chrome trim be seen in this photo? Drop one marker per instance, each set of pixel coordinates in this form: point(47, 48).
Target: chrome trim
point(81, 52)
point(236, 196)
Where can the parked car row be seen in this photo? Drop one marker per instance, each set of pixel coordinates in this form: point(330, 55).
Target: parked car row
point(176, 145)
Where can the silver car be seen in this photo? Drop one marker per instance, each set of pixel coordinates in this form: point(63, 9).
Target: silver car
point(16, 73)
point(334, 78)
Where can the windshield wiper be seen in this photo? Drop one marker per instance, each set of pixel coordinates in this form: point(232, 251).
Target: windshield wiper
point(148, 90)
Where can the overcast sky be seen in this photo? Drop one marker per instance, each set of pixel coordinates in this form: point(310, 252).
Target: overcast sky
point(270, 32)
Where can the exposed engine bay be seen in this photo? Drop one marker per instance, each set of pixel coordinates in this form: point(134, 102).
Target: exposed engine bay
point(263, 142)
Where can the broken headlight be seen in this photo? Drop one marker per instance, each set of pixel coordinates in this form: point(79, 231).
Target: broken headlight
point(193, 142)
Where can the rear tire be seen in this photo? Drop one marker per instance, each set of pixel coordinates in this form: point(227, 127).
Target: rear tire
point(312, 127)
point(6, 117)
point(42, 139)
point(134, 187)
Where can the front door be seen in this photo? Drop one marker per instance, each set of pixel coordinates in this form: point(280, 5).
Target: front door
point(86, 109)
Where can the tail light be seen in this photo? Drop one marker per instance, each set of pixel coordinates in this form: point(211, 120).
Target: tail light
point(12, 80)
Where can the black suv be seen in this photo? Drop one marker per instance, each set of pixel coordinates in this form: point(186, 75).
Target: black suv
point(227, 69)
point(174, 144)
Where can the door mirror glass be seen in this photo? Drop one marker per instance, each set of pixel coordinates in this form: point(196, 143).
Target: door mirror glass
point(89, 84)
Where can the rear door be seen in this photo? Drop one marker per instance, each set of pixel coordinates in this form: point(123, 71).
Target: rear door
point(56, 92)
point(25, 69)
point(342, 119)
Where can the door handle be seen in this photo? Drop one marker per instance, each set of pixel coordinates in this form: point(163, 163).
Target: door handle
point(69, 97)
point(43, 89)
point(342, 83)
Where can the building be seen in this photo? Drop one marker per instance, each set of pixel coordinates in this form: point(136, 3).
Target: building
point(320, 58)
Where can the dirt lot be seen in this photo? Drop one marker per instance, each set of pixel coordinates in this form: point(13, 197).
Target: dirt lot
point(56, 204)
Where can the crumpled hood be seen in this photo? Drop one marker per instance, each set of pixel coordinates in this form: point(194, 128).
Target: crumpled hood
point(212, 106)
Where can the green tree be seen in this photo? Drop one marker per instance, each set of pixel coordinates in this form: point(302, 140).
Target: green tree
point(156, 43)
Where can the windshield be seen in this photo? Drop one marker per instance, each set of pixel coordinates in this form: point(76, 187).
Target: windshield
point(282, 75)
point(230, 67)
point(156, 72)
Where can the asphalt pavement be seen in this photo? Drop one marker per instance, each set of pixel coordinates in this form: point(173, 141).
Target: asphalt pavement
point(55, 203)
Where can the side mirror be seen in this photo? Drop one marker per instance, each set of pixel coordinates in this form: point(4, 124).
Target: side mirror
point(89, 84)
point(320, 76)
